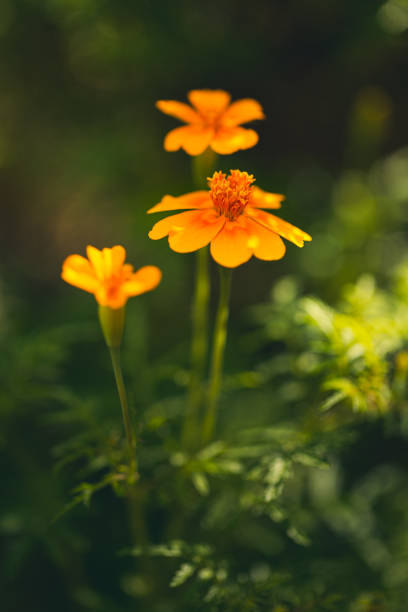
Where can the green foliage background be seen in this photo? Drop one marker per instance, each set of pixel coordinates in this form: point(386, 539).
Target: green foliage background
point(301, 502)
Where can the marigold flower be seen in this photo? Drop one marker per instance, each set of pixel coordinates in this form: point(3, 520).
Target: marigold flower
point(229, 217)
point(212, 122)
point(106, 275)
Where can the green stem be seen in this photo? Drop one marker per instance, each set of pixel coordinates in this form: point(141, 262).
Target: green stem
point(217, 358)
point(199, 346)
point(117, 369)
point(136, 518)
point(202, 166)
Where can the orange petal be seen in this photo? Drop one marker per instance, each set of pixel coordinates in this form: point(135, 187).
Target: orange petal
point(96, 258)
point(192, 138)
point(199, 229)
point(113, 260)
point(277, 225)
point(231, 246)
point(264, 199)
point(181, 111)
point(127, 270)
point(209, 102)
point(189, 230)
point(195, 199)
point(166, 225)
point(265, 244)
point(242, 111)
point(230, 140)
point(77, 271)
point(145, 279)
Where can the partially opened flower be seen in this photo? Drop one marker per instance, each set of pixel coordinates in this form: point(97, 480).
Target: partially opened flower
point(112, 281)
point(228, 216)
point(108, 277)
point(212, 122)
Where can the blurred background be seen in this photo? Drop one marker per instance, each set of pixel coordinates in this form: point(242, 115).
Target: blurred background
point(81, 160)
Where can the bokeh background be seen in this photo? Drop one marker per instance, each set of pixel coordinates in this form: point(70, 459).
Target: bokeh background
point(81, 160)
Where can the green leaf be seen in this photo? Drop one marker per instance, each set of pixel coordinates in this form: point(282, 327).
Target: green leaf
point(183, 573)
point(200, 481)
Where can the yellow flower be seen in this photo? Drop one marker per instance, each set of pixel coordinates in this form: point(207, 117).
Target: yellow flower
point(212, 122)
point(230, 219)
point(106, 275)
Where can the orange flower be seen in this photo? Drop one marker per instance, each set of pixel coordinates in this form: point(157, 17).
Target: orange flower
point(229, 217)
point(212, 122)
point(106, 275)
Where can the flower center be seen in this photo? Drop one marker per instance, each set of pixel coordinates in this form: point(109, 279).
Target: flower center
point(211, 118)
point(231, 194)
point(112, 286)
point(114, 282)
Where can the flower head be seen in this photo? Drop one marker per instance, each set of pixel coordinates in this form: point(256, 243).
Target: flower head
point(108, 277)
point(231, 195)
point(229, 217)
point(212, 122)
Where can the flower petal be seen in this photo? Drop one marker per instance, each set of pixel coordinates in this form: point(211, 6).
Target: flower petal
point(265, 243)
point(264, 199)
point(277, 225)
point(199, 229)
point(96, 258)
point(231, 247)
point(242, 111)
point(113, 260)
point(232, 139)
point(209, 102)
point(166, 225)
point(77, 271)
point(194, 139)
point(145, 279)
point(181, 111)
point(188, 231)
point(195, 199)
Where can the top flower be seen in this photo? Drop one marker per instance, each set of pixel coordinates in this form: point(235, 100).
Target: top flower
point(106, 275)
point(212, 122)
point(228, 216)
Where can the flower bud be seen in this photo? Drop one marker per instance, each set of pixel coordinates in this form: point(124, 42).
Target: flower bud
point(112, 322)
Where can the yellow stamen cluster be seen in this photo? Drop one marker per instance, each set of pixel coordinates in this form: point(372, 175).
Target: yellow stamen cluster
point(231, 194)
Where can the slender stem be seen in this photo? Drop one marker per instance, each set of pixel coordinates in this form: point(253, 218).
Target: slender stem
point(217, 358)
point(136, 518)
point(199, 346)
point(117, 369)
point(202, 165)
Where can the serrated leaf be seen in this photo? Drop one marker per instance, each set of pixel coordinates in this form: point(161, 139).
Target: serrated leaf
point(182, 574)
point(310, 460)
point(298, 537)
point(320, 314)
point(332, 401)
point(211, 451)
point(200, 481)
